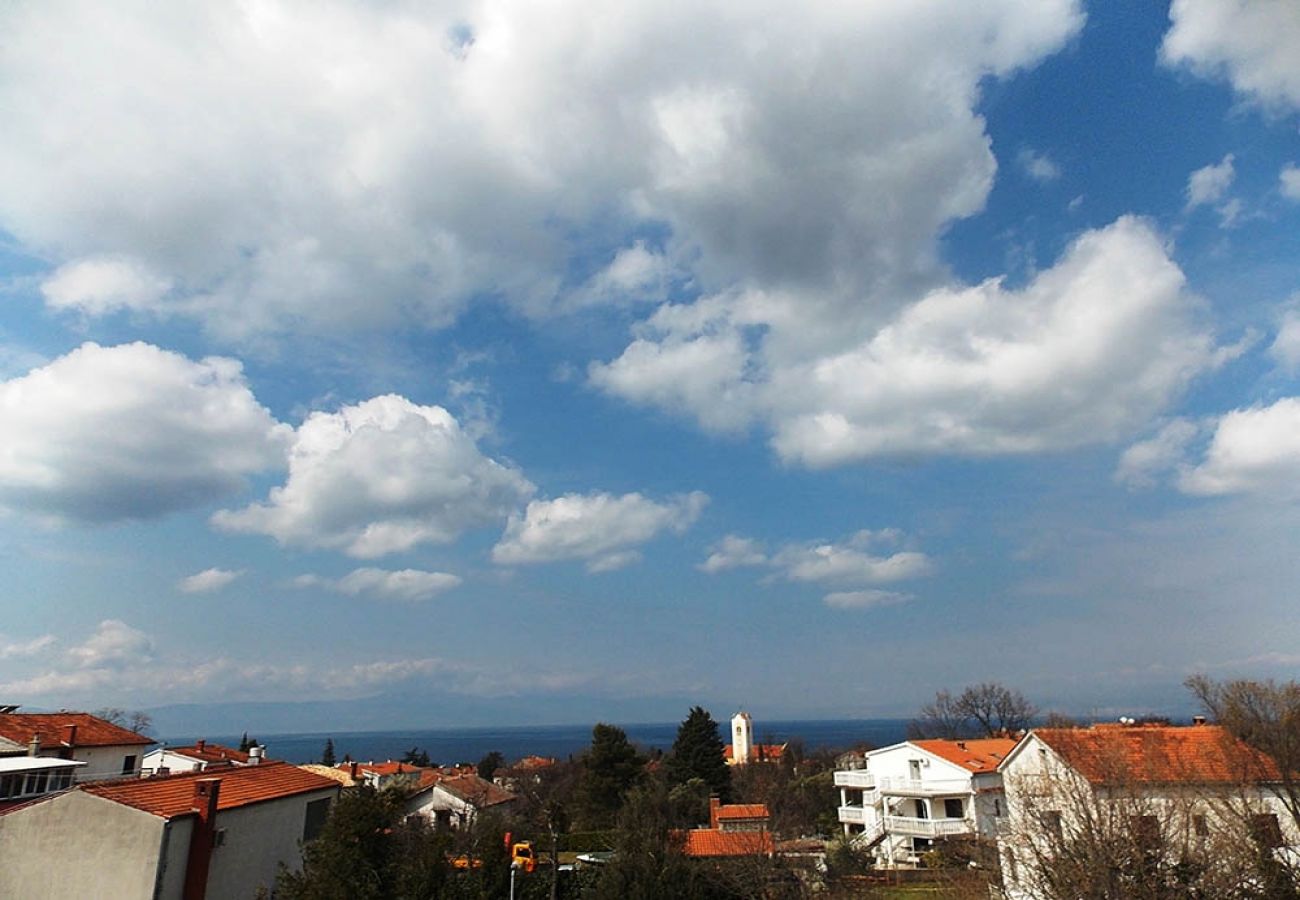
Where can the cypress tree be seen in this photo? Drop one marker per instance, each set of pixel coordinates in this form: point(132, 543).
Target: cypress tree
point(698, 753)
point(327, 755)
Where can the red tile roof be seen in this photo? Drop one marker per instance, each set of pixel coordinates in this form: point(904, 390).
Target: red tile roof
point(1199, 754)
point(978, 756)
point(479, 792)
point(211, 753)
point(758, 752)
point(53, 730)
point(171, 796)
point(708, 842)
point(743, 811)
point(386, 769)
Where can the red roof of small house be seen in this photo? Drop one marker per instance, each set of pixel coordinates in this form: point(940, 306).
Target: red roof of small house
point(170, 796)
point(210, 753)
point(758, 752)
point(478, 792)
point(55, 729)
point(978, 756)
point(387, 768)
point(743, 811)
point(709, 842)
point(1158, 754)
point(535, 762)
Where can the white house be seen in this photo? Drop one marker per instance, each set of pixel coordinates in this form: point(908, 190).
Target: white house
point(25, 777)
point(196, 836)
point(198, 757)
point(1162, 790)
point(909, 795)
point(108, 750)
point(453, 801)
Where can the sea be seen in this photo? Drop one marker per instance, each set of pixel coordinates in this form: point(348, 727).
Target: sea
point(448, 746)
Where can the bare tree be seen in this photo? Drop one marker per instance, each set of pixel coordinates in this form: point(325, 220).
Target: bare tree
point(988, 709)
point(136, 720)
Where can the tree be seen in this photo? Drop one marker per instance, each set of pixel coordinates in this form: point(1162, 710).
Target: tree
point(327, 755)
point(488, 765)
point(135, 720)
point(417, 757)
point(246, 743)
point(610, 768)
point(1264, 715)
point(698, 753)
point(987, 709)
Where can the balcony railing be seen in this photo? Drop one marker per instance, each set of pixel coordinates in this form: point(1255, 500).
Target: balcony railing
point(853, 815)
point(931, 828)
point(913, 787)
point(855, 778)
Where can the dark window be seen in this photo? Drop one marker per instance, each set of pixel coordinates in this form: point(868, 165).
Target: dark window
point(1201, 826)
point(317, 812)
point(997, 807)
point(1145, 831)
point(1052, 822)
point(1265, 831)
point(128, 764)
point(952, 808)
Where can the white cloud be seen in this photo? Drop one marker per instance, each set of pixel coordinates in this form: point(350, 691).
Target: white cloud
point(1253, 451)
point(18, 649)
point(381, 477)
point(100, 285)
point(1250, 42)
point(113, 645)
point(1038, 166)
point(1289, 182)
point(850, 563)
point(1087, 352)
point(208, 580)
point(133, 431)
point(870, 599)
point(733, 552)
point(1208, 184)
point(404, 584)
point(598, 527)
point(1286, 345)
point(287, 165)
point(1145, 462)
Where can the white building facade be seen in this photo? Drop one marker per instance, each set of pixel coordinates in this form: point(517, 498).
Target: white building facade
point(910, 795)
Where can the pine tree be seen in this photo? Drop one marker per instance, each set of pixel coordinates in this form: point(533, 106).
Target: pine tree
point(698, 753)
point(611, 768)
point(245, 743)
point(327, 755)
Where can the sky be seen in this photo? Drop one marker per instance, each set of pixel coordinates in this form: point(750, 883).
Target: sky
point(501, 361)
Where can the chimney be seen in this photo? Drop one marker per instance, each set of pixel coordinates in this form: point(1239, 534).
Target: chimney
point(961, 745)
point(1198, 720)
point(203, 838)
point(34, 745)
point(199, 745)
point(71, 739)
point(352, 771)
point(714, 805)
point(255, 755)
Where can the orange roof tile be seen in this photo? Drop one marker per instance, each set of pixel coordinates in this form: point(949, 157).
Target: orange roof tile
point(758, 752)
point(53, 729)
point(743, 811)
point(978, 756)
point(1199, 754)
point(171, 796)
point(479, 792)
point(385, 769)
point(211, 753)
point(708, 842)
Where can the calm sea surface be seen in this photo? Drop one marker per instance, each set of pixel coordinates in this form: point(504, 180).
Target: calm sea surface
point(455, 745)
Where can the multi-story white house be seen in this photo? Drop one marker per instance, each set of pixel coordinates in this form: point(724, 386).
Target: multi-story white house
point(107, 750)
point(909, 795)
point(1168, 794)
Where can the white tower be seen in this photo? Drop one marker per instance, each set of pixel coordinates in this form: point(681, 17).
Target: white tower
point(742, 738)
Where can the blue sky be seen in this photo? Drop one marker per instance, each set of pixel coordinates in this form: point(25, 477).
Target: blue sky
point(812, 360)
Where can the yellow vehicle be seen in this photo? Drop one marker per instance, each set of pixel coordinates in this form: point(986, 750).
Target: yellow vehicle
point(522, 857)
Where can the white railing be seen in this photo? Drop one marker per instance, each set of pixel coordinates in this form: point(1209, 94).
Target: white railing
point(924, 787)
point(853, 815)
point(928, 827)
point(855, 778)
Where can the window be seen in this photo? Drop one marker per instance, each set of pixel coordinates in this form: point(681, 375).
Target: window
point(317, 812)
point(952, 808)
point(1265, 831)
point(1052, 822)
point(128, 764)
point(997, 807)
point(1201, 826)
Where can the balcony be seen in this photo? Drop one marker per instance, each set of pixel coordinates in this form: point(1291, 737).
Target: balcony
point(929, 828)
point(853, 815)
point(932, 787)
point(855, 778)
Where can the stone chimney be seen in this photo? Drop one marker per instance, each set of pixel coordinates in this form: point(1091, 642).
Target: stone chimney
point(207, 791)
point(199, 745)
point(352, 771)
point(714, 805)
point(71, 739)
point(34, 746)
